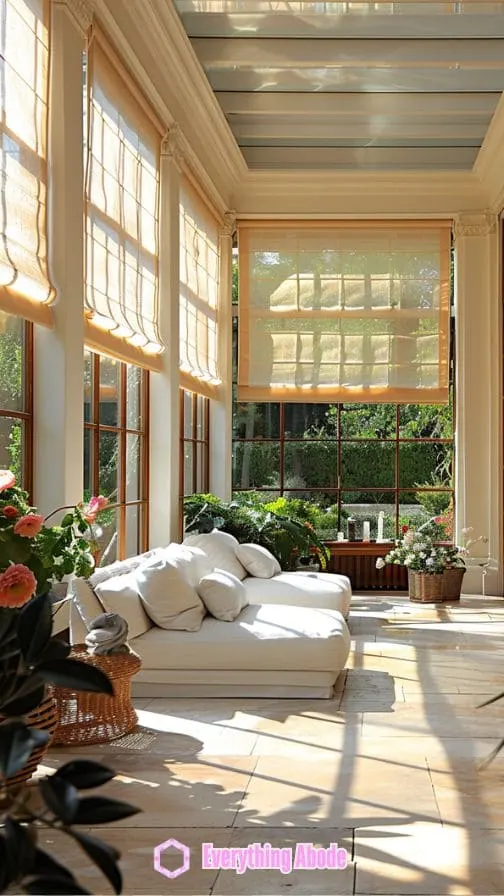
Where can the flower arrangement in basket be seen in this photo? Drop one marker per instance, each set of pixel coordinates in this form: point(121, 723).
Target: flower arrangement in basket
point(32, 556)
point(419, 550)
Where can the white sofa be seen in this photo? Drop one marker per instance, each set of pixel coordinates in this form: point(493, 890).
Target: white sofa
point(289, 638)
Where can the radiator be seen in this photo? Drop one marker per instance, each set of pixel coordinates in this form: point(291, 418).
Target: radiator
point(362, 572)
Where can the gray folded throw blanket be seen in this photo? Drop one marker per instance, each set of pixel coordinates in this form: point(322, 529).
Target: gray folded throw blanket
point(107, 633)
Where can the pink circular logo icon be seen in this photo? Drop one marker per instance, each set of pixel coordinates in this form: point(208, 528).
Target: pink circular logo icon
point(184, 857)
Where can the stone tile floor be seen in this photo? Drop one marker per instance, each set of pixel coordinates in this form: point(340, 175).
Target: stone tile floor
point(390, 768)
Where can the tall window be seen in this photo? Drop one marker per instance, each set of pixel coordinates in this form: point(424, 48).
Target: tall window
point(194, 444)
point(16, 397)
point(350, 460)
point(116, 452)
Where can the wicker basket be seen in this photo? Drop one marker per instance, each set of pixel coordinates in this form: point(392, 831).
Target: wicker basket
point(45, 718)
point(425, 587)
point(89, 718)
point(452, 583)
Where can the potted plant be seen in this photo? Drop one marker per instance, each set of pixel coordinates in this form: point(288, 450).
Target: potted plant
point(32, 556)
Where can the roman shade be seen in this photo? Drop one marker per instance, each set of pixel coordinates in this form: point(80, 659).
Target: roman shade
point(122, 193)
point(199, 294)
point(25, 288)
point(344, 311)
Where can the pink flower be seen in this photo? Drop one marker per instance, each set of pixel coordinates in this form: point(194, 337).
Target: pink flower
point(10, 511)
point(7, 480)
point(17, 585)
point(96, 503)
point(28, 526)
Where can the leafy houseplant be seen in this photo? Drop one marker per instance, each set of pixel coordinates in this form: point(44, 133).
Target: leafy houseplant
point(249, 520)
point(31, 556)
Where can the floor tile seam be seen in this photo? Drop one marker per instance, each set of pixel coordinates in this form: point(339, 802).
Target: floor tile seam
point(245, 788)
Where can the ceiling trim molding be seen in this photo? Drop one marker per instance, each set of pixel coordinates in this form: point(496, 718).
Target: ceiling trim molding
point(80, 12)
point(479, 224)
point(489, 164)
point(153, 44)
point(367, 193)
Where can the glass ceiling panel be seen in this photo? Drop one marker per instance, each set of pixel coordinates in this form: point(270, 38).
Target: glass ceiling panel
point(334, 8)
point(370, 80)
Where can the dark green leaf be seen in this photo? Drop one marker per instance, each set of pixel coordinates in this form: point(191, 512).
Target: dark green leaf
point(34, 627)
point(84, 773)
point(16, 744)
point(76, 675)
point(46, 866)
point(5, 871)
point(28, 697)
point(61, 797)
point(20, 849)
point(98, 810)
point(104, 856)
point(67, 520)
point(55, 650)
point(490, 758)
point(53, 886)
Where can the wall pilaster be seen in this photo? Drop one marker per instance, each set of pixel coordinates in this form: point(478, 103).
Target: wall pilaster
point(164, 391)
point(221, 436)
point(478, 380)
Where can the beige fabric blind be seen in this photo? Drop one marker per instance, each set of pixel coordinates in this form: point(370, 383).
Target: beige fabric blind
point(122, 192)
point(344, 312)
point(25, 288)
point(199, 289)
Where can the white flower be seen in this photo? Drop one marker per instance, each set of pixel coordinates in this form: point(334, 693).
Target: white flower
point(407, 561)
point(422, 555)
point(467, 530)
point(430, 561)
point(417, 546)
point(380, 563)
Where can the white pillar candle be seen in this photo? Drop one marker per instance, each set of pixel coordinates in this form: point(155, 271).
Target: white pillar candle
point(341, 536)
point(381, 517)
point(366, 530)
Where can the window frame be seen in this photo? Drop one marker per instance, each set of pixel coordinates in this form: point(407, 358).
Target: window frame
point(26, 415)
point(122, 430)
point(195, 442)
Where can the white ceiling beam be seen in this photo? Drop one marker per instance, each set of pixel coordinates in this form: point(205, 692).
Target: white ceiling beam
point(375, 158)
point(248, 52)
point(292, 23)
point(372, 130)
point(359, 104)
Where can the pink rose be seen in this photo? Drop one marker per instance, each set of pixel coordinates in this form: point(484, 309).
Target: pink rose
point(28, 526)
point(7, 480)
point(96, 503)
point(10, 511)
point(17, 585)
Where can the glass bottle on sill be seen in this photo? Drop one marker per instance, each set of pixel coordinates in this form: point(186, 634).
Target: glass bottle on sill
point(351, 528)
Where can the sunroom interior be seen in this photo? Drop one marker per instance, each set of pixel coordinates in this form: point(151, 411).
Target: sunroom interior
point(363, 127)
point(209, 208)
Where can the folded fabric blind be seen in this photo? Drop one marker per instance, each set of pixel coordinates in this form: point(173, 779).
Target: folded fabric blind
point(25, 288)
point(122, 193)
point(344, 311)
point(199, 293)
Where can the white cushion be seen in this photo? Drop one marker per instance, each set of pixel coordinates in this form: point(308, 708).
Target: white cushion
point(120, 595)
point(302, 589)
point(85, 607)
point(258, 561)
point(166, 589)
point(267, 638)
point(223, 594)
point(121, 567)
point(220, 548)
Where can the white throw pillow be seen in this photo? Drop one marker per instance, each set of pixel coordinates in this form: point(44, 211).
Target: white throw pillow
point(169, 599)
point(258, 561)
point(120, 595)
point(223, 594)
point(220, 548)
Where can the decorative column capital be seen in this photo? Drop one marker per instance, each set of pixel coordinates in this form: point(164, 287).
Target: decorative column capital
point(228, 223)
point(81, 11)
point(478, 224)
point(172, 145)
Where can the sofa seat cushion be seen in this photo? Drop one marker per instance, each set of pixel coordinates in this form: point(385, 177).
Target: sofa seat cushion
point(267, 637)
point(302, 589)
